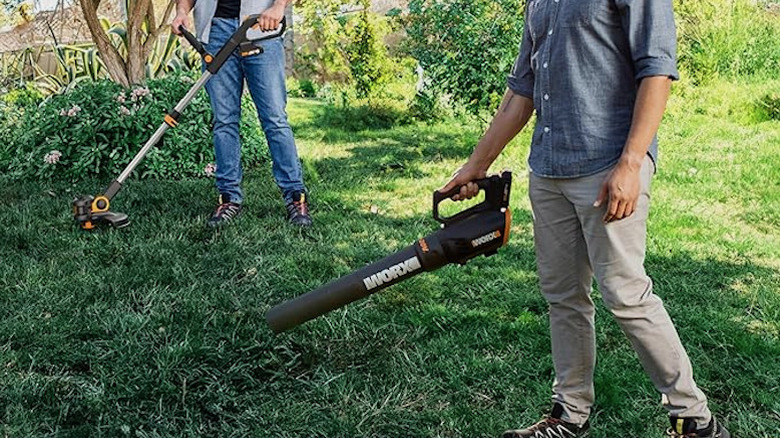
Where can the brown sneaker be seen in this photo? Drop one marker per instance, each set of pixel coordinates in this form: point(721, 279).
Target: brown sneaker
point(298, 210)
point(551, 427)
point(226, 211)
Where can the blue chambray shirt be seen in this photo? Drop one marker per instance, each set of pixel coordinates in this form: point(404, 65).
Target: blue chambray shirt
point(581, 62)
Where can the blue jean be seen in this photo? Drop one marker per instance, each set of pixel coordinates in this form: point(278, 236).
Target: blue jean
point(265, 76)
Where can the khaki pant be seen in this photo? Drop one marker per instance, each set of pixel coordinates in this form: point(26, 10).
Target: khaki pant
point(573, 245)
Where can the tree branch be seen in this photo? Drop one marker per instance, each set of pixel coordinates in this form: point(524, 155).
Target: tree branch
point(113, 61)
point(155, 31)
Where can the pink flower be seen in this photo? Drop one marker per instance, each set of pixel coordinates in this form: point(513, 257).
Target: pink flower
point(124, 111)
point(121, 97)
point(52, 157)
point(139, 93)
point(210, 169)
point(71, 112)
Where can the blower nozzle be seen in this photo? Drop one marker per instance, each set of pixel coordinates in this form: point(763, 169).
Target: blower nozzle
point(479, 230)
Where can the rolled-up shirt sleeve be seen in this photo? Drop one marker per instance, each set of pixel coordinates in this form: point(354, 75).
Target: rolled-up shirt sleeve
point(652, 37)
point(521, 78)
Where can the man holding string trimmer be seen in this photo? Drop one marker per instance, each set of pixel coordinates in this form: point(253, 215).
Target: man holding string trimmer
point(215, 22)
point(598, 75)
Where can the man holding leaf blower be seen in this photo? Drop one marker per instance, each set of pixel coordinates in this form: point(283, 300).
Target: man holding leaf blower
point(264, 72)
point(598, 75)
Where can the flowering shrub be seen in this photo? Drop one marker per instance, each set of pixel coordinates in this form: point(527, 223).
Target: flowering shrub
point(72, 112)
point(210, 170)
point(52, 157)
point(96, 128)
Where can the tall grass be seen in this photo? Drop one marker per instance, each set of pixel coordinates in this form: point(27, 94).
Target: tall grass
point(728, 39)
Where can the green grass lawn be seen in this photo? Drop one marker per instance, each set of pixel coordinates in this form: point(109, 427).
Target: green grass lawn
point(158, 330)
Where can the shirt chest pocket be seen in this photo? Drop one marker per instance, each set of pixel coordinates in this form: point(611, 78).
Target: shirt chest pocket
point(587, 13)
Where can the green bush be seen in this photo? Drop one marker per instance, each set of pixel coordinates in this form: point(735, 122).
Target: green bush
point(366, 54)
point(363, 114)
point(426, 107)
point(97, 127)
point(308, 88)
point(25, 96)
point(769, 106)
point(467, 47)
point(345, 49)
point(301, 88)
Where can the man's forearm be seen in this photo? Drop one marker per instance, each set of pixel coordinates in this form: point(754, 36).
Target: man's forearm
point(512, 115)
point(648, 112)
point(183, 7)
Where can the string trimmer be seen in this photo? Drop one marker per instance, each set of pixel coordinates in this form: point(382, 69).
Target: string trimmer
point(91, 211)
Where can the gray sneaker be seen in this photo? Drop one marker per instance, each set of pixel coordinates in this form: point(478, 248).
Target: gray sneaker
point(551, 427)
point(686, 428)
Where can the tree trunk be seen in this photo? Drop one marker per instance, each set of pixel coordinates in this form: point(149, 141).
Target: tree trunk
point(136, 61)
point(132, 70)
point(113, 61)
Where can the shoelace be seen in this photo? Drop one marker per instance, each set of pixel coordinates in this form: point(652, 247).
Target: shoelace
point(221, 210)
point(552, 428)
point(297, 207)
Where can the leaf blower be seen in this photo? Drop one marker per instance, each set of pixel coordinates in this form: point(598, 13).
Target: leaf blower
point(90, 211)
point(479, 230)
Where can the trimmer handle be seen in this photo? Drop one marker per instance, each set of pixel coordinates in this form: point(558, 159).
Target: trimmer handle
point(496, 187)
point(193, 40)
point(252, 20)
point(238, 39)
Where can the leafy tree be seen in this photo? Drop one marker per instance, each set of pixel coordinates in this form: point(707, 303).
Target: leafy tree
point(322, 24)
point(366, 54)
point(466, 47)
point(141, 33)
point(344, 44)
point(15, 12)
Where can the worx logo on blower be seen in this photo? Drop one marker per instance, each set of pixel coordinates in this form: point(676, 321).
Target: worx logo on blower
point(479, 230)
point(486, 238)
point(392, 273)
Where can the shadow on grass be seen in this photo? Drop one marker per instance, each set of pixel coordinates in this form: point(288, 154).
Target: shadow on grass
point(391, 152)
point(165, 336)
point(159, 330)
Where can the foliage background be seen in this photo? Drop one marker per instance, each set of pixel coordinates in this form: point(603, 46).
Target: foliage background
point(158, 330)
point(100, 139)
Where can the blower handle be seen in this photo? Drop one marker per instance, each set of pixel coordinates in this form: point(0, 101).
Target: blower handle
point(496, 189)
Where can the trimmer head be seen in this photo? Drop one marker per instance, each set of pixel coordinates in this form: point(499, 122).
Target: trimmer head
point(91, 211)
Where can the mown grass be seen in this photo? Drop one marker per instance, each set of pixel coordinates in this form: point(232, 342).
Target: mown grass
point(158, 331)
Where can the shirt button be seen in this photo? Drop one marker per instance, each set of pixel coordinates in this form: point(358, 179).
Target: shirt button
point(546, 129)
point(544, 65)
point(546, 97)
point(549, 32)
